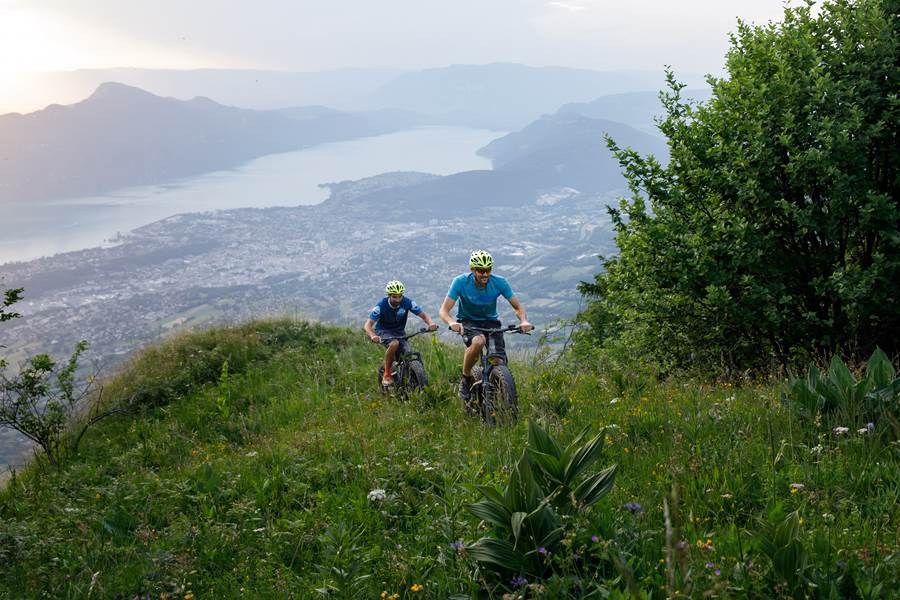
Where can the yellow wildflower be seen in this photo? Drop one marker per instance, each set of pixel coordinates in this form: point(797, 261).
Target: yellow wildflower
point(416, 587)
point(189, 596)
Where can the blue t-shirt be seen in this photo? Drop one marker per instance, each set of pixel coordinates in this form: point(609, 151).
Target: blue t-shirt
point(388, 318)
point(478, 304)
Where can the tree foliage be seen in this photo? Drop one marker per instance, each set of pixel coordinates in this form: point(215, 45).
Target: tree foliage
point(10, 297)
point(773, 232)
point(43, 400)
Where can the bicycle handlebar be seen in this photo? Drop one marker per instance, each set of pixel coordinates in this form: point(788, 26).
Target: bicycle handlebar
point(507, 329)
point(406, 337)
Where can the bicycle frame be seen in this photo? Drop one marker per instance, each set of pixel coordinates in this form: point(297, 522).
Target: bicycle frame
point(489, 356)
point(401, 355)
point(403, 360)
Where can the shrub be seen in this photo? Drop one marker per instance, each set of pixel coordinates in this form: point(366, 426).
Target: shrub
point(42, 399)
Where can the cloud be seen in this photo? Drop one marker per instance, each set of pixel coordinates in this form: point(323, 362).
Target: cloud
point(569, 6)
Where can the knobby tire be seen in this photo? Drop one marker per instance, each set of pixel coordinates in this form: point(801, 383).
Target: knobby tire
point(505, 399)
point(416, 378)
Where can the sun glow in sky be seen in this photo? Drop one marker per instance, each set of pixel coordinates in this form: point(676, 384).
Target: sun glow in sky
point(39, 36)
point(36, 40)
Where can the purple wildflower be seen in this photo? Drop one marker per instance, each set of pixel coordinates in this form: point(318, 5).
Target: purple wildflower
point(710, 565)
point(717, 572)
point(870, 426)
point(634, 507)
point(518, 581)
point(542, 550)
point(457, 545)
point(595, 539)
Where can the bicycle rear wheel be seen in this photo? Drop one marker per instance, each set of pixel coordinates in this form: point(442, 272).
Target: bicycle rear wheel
point(504, 398)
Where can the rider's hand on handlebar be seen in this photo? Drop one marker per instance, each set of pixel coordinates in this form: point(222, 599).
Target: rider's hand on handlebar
point(525, 326)
point(457, 327)
point(376, 339)
point(432, 327)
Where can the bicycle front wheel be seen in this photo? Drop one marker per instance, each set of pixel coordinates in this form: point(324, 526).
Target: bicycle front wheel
point(503, 394)
point(416, 378)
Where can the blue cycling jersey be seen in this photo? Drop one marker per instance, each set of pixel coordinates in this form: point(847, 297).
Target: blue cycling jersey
point(388, 318)
point(478, 304)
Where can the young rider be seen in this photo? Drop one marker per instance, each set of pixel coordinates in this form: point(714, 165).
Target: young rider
point(388, 318)
point(477, 293)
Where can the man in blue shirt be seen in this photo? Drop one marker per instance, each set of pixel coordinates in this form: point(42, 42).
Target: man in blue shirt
point(388, 320)
point(477, 293)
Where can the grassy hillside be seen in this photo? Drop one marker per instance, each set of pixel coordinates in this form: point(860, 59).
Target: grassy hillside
point(255, 481)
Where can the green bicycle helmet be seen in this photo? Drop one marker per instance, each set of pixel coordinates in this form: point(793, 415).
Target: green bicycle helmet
point(481, 260)
point(394, 287)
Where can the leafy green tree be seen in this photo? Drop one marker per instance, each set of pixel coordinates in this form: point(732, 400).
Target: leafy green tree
point(773, 232)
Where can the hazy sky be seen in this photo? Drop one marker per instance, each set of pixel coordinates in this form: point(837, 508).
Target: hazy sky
point(313, 35)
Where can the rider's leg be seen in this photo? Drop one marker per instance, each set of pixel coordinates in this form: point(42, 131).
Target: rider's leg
point(500, 344)
point(472, 354)
point(387, 379)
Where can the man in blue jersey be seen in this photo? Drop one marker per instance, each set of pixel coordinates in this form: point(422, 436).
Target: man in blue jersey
point(388, 320)
point(477, 293)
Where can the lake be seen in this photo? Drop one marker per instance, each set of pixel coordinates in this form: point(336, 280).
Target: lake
point(289, 179)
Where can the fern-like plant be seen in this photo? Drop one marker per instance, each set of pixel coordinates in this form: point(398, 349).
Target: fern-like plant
point(838, 392)
point(529, 516)
point(779, 540)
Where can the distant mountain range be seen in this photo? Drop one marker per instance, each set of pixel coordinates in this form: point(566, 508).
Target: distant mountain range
point(556, 156)
point(123, 136)
point(505, 96)
point(633, 108)
point(495, 96)
point(256, 89)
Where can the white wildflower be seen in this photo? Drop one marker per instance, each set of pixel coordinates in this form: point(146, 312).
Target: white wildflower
point(375, 495)
point(841, 430)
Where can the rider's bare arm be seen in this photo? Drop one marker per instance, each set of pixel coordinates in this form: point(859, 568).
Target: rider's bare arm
point(370, 331)
point(444, 313)
point(431, 324)
point(524, 325)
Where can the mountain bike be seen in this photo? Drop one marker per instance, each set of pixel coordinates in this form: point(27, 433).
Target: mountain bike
point(407, 371)
point(498, 400)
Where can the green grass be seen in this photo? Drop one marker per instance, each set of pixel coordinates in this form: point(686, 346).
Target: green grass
point(255, 484)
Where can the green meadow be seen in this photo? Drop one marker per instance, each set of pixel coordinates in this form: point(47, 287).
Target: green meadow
point(262, 461)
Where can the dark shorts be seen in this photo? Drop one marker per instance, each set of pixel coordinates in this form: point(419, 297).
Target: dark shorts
point(389, 333)
point(469, 333)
